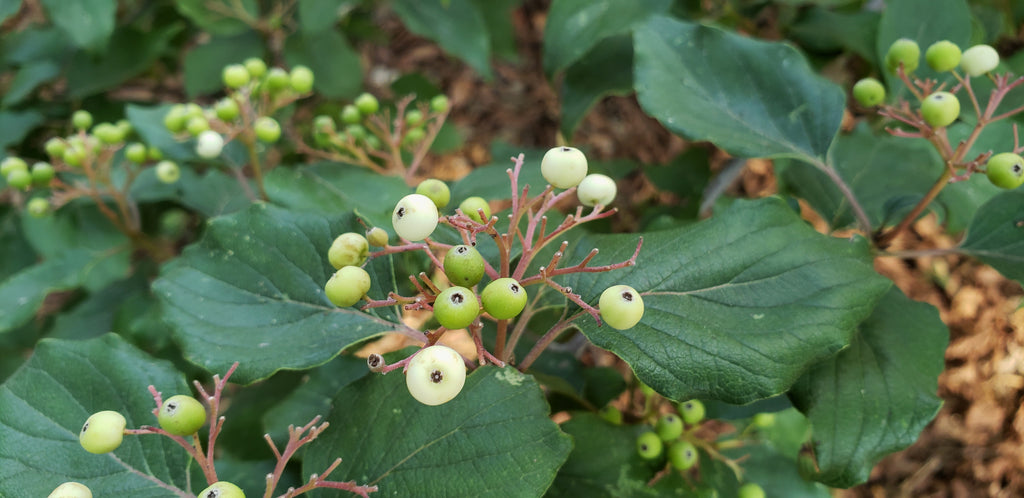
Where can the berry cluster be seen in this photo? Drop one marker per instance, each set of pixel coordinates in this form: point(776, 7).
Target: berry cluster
point(436, 373)
point(182, 416)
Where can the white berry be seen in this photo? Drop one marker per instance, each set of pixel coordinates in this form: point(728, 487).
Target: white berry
point(209, 144)
point(71, 489)
point(979, 60)
point(415, 217)
point(435, 375)
point(596, 189)
point(564, 167)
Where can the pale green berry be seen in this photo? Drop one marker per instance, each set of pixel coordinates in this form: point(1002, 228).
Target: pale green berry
point(167, 171)
point(763, 420)
point(255, 66)
point(436, 190)
point(456, 308)
point(979, 60)
point(669, 427)
point(197, 125)
point(277, 79)
point(1005, 170)
point(74, 155)
point(267, 129)
point(348, 249)
point(414, 136)
point(503, 298)
point(125, 126)
point(682, 454)
point(108, 133)
point(301, 79)
point(176, 118)
point(42, 174)
point(235, 76)
point(54, 147)
point(209, 144)
point(750, 490)
point(136, 153)
point(943, 56)
point(463, 265)
point(347, 286)
point(563, 167)
point(940, 109)
point(102, 432)
point(472, 206)
point(621, 307)
point(413, 118)
point(377, 237)
point(324, 124)
point(19, 179)
point(596, 189)
point(869, 92)
point(181, 415)
point(12, 163)
point(221, 489)
point(649, 445)
point(611, 414)
point(439, 103)
point(692, 411)
point(435, 375)
point(227, 109)
point(903, 51)
point(81, 120)
point(367, 104)
point(415, 217)
point(350, 114)
point(154, 153)
point(71, 490)
point(356, 131)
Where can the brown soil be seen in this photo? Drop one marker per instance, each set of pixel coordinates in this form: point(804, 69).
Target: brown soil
point(974, 447)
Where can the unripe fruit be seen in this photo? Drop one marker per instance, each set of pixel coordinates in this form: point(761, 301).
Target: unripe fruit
point(221, 489)
point(102, 432)
point(979, 60)
point(682, 455)
point(347, 286)
point(267, 129)
point(763, 420)
point(869, 92)
point(1005, 170)
point(255, 66)
point(38, 207)
point(135, 152)
point(372, 142)
point(154, 153)
point(750, 490)
point(193, 110)
point(227, 109)
point(563, 167)
point(439, 103)
point(176, 118)
point(181, 415)
point(905, 51)
point(414, 136)
point(415, 217)
point(54, 147)
point(74, 155)
point(71, 490)
point(943, 56)
point(611, 414)
point(167, 171)
point(649, 445)
point(324, 124)
point(209, 144)
point(12, 163)
point(277, 79)
point(692, 411)
point(81, 120)
point(621, 307)
point(108, 133)
point(301, 79)
point(471, 207)
point(235, 76)
point(197, 125)
point(463, 265)
point(350, 115)
point(436, 190)
point(669, 427)
point(348, 249)
point(19, 179)
point(435, 375)
point(940, 109)
point(42, 174)
point(596, 189)
point(125, 126)
point(413, 118)
point(356, 131)
point(377, 237)
point(456, 308)
point(367, 104)
point(503, 298)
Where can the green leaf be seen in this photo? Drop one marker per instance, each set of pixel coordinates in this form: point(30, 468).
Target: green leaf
point(996, 235)
point(15, 251)
point(88, 23)
point(825, 30)
point(574, 27)
point(314, 396)
point(603, 462)
point(8, 8)
point(252, 290)
point(148, 123)
point(28, 78)
point(493, 439)
point(605, 70)
point(456, 25)
point(749, 97)
point(950, 20)
point(204, 63)
point(876, 396)
point(321, 188)
point(776, 473)
point(43, 406)
point(24, 291)
point(95, 314)
point(15, 125)
point(320, 15)
point(738, 306)
point(212, 193)
point(499, 16)
point(224, 20)
point(136, 52)
point(338, 72)
point(34, 44)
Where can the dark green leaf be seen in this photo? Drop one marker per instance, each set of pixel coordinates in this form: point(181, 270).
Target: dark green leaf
point(8, 8)
point(252, 290)
point(28, 78)
point(822, 30)
point(749, 97)
point(996, 235)
point(603, 462)
point(493, 439)
point(32, 45)
point(951, 20)
point(876, 396)
point(94, 315)
point(574, 27)
point(605, 70)
point(456, 25)
point(212, 193)
point(738, 306)
point(314, 396)
point(15, 252)
point(338, 72)
point(320, 15)
point(136, 51)
point(225, 19)
point(204, 63)
point(498, 16)
point(777, 474)
point(88, 23)
point(43, 406)
point(15, 125)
